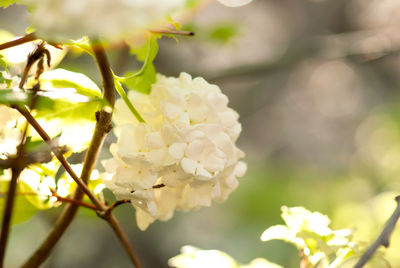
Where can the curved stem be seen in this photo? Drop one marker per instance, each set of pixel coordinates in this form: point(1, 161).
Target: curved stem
point(128, 103)
point(383, 238)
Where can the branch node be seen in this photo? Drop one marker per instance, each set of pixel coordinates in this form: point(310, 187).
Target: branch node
point(97, 114)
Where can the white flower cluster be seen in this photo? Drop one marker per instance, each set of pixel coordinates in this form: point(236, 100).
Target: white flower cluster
point(72, 19)
point(192, 257)
point(183, 157)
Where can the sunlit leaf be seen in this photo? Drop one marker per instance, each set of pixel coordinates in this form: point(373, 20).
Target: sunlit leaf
point(4, 80)
point(67, 110)
point(10, 96)
point(146, 76)
point(60, 78)
point(148, 51)
point(143, 82)
point(23, 209)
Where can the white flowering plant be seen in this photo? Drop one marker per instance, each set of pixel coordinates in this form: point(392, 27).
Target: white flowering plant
point(159, 143)
point(175, 146)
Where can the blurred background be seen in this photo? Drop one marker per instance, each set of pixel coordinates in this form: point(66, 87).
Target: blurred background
point(316, 85)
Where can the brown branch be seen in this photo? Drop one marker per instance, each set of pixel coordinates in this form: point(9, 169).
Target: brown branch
point(383, 239)
point(64, 220)
point(19, 41)
point(72, 201)
point(103, 126)
point(32, 121)
point(16, 169)
point(109, 95)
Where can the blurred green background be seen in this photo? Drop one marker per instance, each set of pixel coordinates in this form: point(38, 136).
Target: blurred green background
point(316, 84)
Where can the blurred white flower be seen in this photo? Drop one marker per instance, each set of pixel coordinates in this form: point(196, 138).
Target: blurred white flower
point(10, 135)
point(235, 3)
point(72, 19)
point(187, 146)
point(192, 257)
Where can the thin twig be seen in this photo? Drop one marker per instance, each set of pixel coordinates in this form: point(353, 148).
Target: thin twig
point(32, 121)
point(71, 201)
point(109, 94)
point(19, 41)
point(174, 32)
point(384, 238)
point(54, 194)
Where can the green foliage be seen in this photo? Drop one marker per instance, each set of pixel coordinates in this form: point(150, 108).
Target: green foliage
point(220, 33)
point(75, 96)
point(23, 209)
point(143, 79)
point(143, 82)
point(61, 79)
point(223, 32)
point(12, 97)
point(190, 4)
point(3, 63)
point(4, 80)
point(6, 3)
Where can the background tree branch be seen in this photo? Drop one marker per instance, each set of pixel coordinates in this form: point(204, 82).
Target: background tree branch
point(383, 239)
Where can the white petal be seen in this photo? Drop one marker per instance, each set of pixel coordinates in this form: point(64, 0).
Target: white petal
point(188, 165)
point(177, 150)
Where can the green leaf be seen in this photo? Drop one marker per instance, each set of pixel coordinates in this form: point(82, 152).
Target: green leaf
point(3, 63)
point(147, 52)
point(190, 4)
point(34, 145)
point(10, 96)
point(4, 80)
point(6, 3)
point(23, 209)
point(75, 96)
point(39, 202)
point(223, 32)
point(146, 76)
point(60, 78)
point(143, 82)
point(71, 111)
